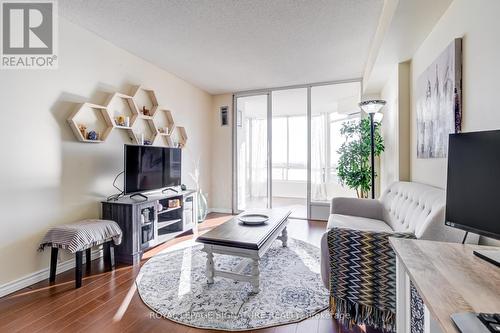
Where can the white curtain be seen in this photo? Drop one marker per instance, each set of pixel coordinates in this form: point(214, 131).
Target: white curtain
point(257, 182)
point(318, 158)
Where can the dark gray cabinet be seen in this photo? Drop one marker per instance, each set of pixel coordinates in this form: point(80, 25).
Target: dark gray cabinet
point(148, 223)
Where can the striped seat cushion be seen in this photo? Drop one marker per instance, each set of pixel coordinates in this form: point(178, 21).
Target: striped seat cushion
point(82, 235)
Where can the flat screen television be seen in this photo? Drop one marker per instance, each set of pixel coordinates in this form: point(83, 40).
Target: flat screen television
point(472, 193)
point(149, 168)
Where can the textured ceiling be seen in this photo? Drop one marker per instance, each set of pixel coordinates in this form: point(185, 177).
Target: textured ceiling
point(235, 45)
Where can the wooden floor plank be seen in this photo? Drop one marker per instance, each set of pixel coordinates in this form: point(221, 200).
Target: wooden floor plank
point(292, 328)
point(41, 313)
point(79, 308)
point(309, 325)
point(109, 302)
point(106, 310)
point(58, 293)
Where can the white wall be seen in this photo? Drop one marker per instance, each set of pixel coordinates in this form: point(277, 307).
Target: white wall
point(395, 160)
point(477, 21)
point(221, 156)
point(46, 177)
point(389, 167)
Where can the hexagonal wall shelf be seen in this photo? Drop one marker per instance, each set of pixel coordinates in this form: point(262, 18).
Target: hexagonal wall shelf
point(145, 99)
point(143, 126)
point(94, 118)
point(122, 106)
point(178, 137)
point(182, 136)
point(164, 124)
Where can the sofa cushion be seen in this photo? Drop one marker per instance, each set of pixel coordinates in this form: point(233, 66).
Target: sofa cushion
point(356, 222)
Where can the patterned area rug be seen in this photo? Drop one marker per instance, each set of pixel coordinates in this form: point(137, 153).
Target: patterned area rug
point(174, 285)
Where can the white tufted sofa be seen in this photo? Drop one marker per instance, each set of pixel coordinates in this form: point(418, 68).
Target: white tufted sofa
point(403, 207)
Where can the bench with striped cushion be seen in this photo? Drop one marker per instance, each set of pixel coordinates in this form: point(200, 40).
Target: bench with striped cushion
point(82, 236)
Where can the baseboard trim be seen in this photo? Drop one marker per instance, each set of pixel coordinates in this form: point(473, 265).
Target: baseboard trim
point(41, 275)
point(220, 210)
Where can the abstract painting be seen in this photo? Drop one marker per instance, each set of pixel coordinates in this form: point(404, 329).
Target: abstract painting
point(439, 102)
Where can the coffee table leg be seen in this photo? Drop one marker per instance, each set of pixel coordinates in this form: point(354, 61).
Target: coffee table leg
point(255, 276)
point(210, 267)
point(284, 237)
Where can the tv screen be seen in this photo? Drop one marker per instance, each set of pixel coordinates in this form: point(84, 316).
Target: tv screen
point(150, 168)
point(472, 193)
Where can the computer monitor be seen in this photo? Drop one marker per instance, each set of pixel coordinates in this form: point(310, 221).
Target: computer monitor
point(473, 184)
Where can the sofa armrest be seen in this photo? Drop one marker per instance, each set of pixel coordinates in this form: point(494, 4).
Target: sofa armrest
point(368, 208)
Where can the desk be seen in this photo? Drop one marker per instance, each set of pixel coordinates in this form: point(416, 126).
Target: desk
point(448, 277)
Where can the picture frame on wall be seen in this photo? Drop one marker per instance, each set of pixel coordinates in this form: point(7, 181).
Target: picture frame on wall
point(439, 102)
point(224, 116)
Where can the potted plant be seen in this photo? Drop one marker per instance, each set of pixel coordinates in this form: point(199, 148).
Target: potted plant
point(353, 167)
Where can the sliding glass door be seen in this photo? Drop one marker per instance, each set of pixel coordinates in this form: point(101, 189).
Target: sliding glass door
point(251, 152)
point(331, 106)
point(289, 150)
point(286, 143)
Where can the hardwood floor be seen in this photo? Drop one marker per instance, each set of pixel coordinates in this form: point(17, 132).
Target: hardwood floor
point(108, 301)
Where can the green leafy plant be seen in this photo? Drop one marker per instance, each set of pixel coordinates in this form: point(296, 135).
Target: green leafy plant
point(354, 166)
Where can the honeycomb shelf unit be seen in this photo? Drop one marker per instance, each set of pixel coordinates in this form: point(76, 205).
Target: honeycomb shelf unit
point(119, 104)
point(96, 115)
point(158, 123)
point(145, 98)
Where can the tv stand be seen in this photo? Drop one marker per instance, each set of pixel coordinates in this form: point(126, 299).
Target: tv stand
point(150, 222)
point(491, 256)
point(139, 195)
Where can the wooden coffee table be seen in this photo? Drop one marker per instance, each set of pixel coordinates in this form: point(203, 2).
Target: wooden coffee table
point(247, 241)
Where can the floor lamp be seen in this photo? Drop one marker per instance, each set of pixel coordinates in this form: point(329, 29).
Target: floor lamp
point(372, 107)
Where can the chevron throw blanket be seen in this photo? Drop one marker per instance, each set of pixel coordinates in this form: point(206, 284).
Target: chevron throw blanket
point(363, 277)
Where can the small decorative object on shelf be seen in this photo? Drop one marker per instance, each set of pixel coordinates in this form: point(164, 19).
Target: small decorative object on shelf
point(83, 130)
point(163, 130)
point(92, 135)
point(183, 187)
point(145, 111)
point(140, 138)
point(174, 203)
point(147, 142)
point(123, 121)
point(145, 216)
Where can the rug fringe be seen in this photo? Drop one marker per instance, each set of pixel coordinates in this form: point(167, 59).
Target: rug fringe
point(349, 313)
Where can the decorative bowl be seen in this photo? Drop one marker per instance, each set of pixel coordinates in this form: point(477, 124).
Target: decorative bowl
point(253, 218)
